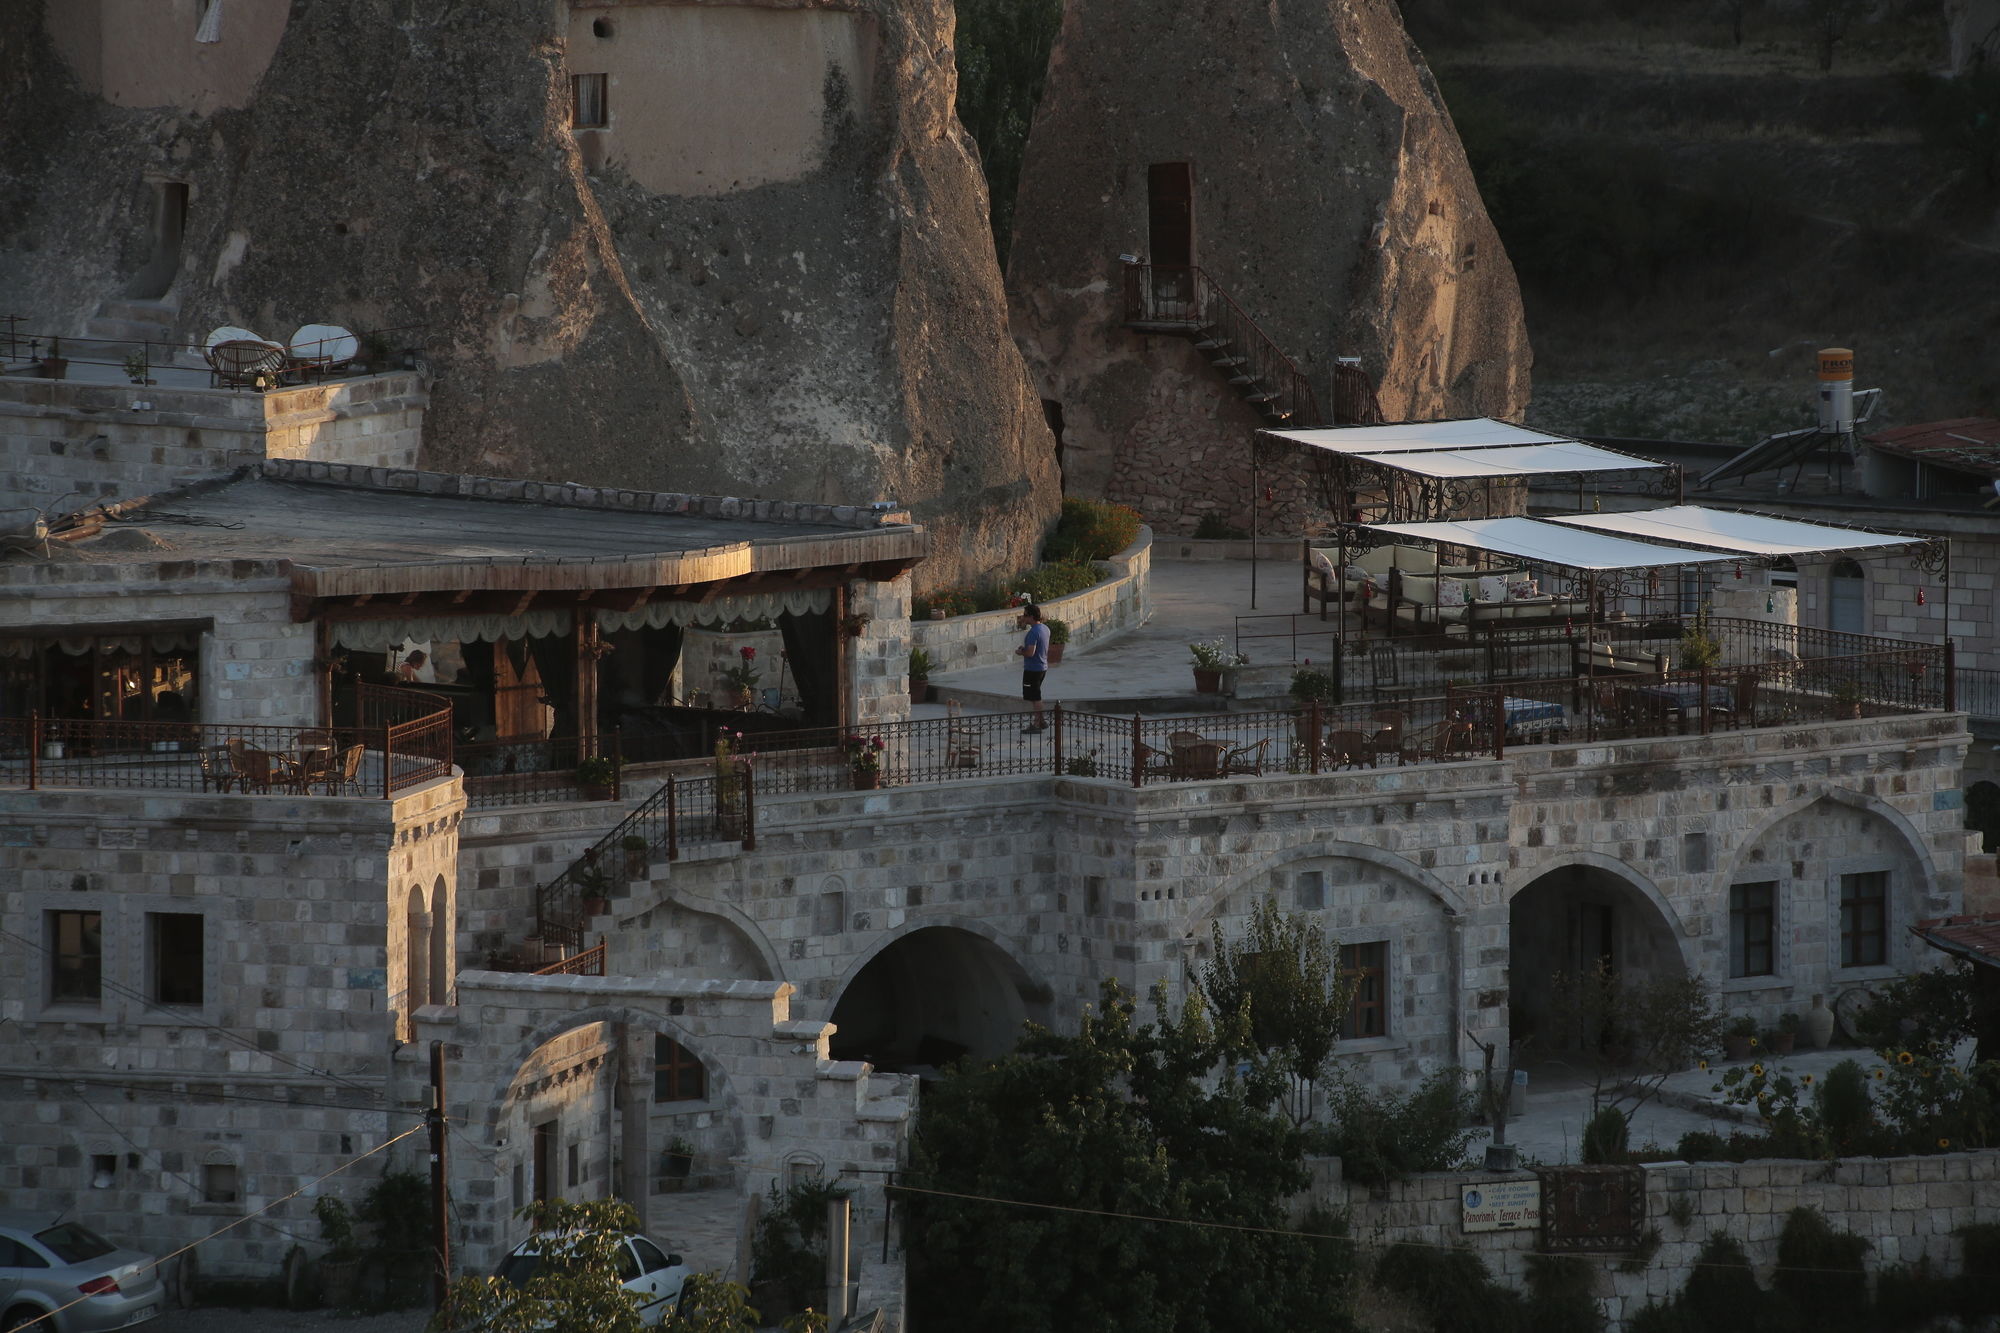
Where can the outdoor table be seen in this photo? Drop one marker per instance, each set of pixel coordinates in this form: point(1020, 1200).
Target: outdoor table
point(1534, 719)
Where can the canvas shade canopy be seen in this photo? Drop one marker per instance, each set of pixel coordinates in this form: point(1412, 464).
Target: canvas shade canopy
point(1568, 456)
point(1418, 437)
point(1547, 543)
point(1758, 536)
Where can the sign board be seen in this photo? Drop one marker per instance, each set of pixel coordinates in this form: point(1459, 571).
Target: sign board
point(1593, 1209)
point(1500, 1205)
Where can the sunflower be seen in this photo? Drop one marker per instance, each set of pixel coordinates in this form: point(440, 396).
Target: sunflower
point(1701, 1064)
point(1878, 1075)
point(1806, 1079)
point(1944, 1143)
point(1757, 1071)
point(1905, 1058)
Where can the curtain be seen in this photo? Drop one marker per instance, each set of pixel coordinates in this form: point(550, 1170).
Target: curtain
point(375, 636)
point(555, 659)
point(721, 611)
point(812, 645)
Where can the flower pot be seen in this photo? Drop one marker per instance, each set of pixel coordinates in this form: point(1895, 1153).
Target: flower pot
point(1207, 682)
point(867, 779)
point(1782, 1042)
point(637, 864)
point(340, 1282)
point(680, 1165)
point(596, 906)
point(1816, 1024)
point(1055, 652)
point(920, 690)
point(1736, 1048)
point(937, 613)
point(742, 699)
point(52, 749)
point(596, 791)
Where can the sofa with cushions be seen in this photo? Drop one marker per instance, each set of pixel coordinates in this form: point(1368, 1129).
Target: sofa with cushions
point(1487, 600)
point(1326, 583)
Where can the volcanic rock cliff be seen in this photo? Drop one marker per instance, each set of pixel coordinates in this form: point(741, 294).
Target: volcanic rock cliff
point(799, 300)
point(1330, 199)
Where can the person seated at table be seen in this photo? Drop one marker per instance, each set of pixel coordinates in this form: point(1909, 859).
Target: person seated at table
point(408, 672)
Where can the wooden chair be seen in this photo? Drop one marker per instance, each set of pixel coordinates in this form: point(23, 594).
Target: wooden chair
point(1155, 763)
point(1744, 713)
point(962, 746)
point(1391, 736)
point(255, 769)
point(1348, 749)
point(217, 772)
point(1246, 758)
point(1199, 758)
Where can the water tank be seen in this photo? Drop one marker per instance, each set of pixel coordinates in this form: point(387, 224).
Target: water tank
point(1836, 390)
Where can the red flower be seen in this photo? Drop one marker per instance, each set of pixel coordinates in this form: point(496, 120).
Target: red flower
point(749, 653)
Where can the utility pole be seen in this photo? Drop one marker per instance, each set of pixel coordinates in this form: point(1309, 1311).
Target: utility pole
point(440, 1199)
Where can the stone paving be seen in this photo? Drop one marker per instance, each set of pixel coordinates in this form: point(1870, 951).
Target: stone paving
point(700, 1226)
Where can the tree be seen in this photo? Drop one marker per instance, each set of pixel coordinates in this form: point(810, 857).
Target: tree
point(1278, 993)
point(1098, 1134)
point(575, 1288)
point(1635, 1034)
point(1003, 59)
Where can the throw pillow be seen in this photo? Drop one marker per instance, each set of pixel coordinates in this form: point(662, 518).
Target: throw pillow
point(1493, 588)
point(1451, 592)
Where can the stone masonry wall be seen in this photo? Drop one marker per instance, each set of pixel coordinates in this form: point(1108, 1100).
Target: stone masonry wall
point(279, 1072)
point(106, 441)
point(1907, 1207)
point(1119, 603)
point(256, 662)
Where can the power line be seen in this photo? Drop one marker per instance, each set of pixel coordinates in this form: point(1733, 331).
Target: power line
point(189, 1020)
point(162, 1260)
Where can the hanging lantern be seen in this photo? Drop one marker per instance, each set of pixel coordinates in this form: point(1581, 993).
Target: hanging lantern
point(1739, 571)
point(1921, 600)
point(1652, 583)
point(1770, 602)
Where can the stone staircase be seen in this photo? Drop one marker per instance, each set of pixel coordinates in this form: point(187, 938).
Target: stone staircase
point(122, 327)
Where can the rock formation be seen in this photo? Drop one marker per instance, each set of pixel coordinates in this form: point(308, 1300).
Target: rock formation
point(1330, 199)
point(802, 304)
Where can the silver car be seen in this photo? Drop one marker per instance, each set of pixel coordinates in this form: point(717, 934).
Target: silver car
point(81, 1281)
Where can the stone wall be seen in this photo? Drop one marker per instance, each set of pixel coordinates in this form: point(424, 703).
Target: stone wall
point(94, 442)
point(1907, 1207)
point(989, 638)
point(256, 662)
point(280, 1071)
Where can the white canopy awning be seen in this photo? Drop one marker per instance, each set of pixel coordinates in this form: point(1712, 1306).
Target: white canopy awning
point(1525, 460)
point(1417, 436)
point(1737, 533)
point(1549, 544)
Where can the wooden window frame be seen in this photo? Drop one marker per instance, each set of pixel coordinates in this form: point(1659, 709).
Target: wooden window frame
point(1367, 965)
point(678, 1074)
point(1742, 916)
point(168, 969)
point(601, 84)
point(86, 962)
point(1865, 891)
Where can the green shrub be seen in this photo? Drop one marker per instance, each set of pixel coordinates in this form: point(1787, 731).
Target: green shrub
point(1928, 1012)
point(1045, 583)
point(1212, 528)
point(1978, 1293)
point(1091, 530)
point(1380, 1135)
point(1312, 683)
point(1820, 1271)
point(1604, 1138)
point(921, 664)
point(788, 1251)
point(1911, 1296)
point(1722, 1290)
point(1452, 1287)
point(1844, 1109)
point(1562, 1295)
point(1699, 1145)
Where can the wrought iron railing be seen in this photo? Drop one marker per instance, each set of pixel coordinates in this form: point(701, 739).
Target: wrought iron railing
point(381, 760)
point(1188, 297)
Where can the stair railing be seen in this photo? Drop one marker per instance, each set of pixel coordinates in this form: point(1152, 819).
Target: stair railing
point(1190, 299)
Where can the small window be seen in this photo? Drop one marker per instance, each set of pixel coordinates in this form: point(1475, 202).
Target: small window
point(1312, 890)
point(76, 965)
point(174, 958)
point(218, 1183)
point(677, 1074)
point(589, 106)
point(1752, 928)
point(1864, 919)
point(575, 1165)
point(1367, 965)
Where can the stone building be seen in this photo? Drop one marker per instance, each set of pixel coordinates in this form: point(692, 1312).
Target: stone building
point(1215, 220)
point(730, 249)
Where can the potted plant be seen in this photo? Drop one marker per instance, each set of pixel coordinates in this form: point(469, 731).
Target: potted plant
point(864, 757)
point(1209, 657)
point(1058, 636)
point(921, 666)
point(1783, 1037)
point(340, 1266)
point(638, 855)
point(1847, 699)
point(1739, 1037)
point(138, 369)
point(597, 778)
point(677, 1160)
point(728, 786)
point(595, 887)
point(743, 677)
point(1309, 683)
point(55, 365)
point(1082, 765)
point(1700, 650)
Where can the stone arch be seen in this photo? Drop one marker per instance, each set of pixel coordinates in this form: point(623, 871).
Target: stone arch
point(555, 1027)
point(946, 987)
point(1873, 805)
point(1570, 917)
point(753, 935)
point(1202, 908)
point(439, 979)
point(417, 922)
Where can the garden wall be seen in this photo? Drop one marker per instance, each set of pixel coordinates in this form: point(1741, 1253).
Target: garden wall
point(987, 639)
point(1907, 1207)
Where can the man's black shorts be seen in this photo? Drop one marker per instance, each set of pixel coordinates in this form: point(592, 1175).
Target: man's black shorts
point(1031, 685)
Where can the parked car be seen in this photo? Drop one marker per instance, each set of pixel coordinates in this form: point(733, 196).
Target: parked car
point(83, 1282)
point(656, 1277)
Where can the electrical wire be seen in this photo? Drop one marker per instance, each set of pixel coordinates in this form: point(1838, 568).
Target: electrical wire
point(190, 1021)
point(48, 1320)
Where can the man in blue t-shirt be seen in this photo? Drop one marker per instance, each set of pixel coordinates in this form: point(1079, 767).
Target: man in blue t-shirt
point(1034, 655)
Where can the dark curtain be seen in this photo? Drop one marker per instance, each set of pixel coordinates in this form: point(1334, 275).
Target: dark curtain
point(811, 645)
point(555, 661)
point(637, 673)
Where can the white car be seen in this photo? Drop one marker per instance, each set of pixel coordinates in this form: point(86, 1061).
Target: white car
point(648, 1271)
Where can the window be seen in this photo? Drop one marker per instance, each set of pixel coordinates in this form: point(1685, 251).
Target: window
point(218, 1183)
point(588, 106)
point(650, 1257)
point(1368, 966)
point(1751, 929)
point(575, 1165)
point(76, 973)
point(1312, 890)
point(174, 958)
point(1864, 919)
point(677, 1075)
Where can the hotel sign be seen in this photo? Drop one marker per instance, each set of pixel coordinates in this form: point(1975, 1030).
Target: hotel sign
point(1500, 1205)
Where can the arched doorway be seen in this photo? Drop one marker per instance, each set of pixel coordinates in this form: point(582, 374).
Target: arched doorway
point(1567, 923)
point(932, 996)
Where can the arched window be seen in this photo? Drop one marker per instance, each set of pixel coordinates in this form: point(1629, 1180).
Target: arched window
point(677, 1073)
point(441, 971)
point(416, 954)
point(1846, 598)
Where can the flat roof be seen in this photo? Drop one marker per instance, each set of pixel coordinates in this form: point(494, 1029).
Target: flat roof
point(1524, 460)
point(1738, 532)
point(415, 535)
point(1549, 543)
point(1418, 436)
